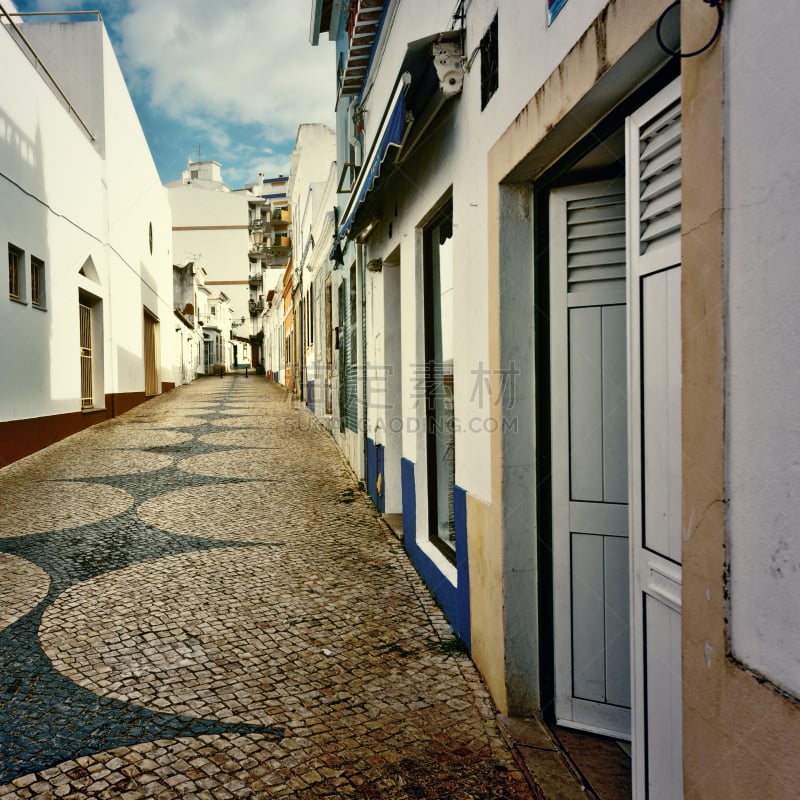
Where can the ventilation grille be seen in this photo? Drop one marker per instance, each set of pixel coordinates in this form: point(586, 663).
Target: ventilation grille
point(596, 243)
point(660, 179)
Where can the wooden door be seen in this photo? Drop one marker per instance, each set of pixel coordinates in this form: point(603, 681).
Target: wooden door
point(151, 386)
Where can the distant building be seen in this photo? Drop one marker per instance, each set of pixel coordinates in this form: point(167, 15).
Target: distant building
point(205, 328)
point(269, 216)
point(86, 226)
point(311, 183)
point(210, 226)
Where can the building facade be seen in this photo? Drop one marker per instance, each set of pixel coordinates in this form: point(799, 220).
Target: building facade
point(270, 249)
point(210, 226)
point(309, 174)
point(555, 289)
point(87, 229)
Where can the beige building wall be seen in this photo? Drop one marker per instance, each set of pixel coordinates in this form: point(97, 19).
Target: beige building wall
point(741, 735)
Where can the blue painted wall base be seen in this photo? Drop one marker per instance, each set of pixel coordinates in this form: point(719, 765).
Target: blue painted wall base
point(454, 600)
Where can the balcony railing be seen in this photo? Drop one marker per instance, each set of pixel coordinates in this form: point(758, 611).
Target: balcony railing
point(278, 251)
point(255, 280)
point(256, 307)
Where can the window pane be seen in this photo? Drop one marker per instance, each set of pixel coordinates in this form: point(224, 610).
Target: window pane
point(14, 264)
point(440, 381)
point(37, 282)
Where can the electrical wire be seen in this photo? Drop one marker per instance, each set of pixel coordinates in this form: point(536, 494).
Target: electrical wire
point(87, 233)
point(716, 4)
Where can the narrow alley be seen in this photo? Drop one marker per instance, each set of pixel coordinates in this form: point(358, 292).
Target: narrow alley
point(203, 604)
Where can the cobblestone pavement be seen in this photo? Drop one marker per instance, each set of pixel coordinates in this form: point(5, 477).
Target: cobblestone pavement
point(197, 601)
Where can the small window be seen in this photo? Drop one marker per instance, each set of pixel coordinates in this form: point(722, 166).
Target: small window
point(195, 174)
point(38, 294)
point(16, 279)
point(150, 237)
point(213, 311)
point(553, 7)
point(490, 78)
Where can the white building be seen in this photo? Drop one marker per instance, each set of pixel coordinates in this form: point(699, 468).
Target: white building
point(310, 179)
point(210, 226)
point(586, 340)
point(87, 229)
point(269, 217)
point(187, 279)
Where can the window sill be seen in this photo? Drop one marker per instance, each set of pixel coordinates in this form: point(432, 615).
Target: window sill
point(38, 307)
point(440, 560)
point(18, 300)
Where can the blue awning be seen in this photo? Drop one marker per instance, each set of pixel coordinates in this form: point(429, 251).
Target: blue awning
point(414, 104)
point(391, 136)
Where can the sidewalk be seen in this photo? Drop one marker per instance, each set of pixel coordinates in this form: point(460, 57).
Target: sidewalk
point(197, 601)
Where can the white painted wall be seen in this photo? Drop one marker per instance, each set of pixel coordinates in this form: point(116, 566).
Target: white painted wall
point(63, 202)
point(762, 156)
point(454, 157)
point(314, 152)
point(136, 201)
point(223, 246)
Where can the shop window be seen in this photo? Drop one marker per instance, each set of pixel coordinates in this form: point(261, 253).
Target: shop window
point(439, 378)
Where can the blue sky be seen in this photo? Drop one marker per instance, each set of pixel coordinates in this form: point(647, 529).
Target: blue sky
point(234, 79)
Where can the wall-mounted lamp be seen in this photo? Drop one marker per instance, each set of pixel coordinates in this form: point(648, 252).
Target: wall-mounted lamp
point(375, 264)
point(367, 230)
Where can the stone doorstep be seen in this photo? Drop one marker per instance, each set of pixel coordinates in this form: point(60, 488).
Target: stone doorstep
point(395, 524)
point(547, 767)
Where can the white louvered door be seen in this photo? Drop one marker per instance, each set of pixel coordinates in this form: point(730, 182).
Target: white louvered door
point(654, 250)
point(589, 452)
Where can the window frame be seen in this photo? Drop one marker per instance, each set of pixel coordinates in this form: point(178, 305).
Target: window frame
point(38, 272)
point(16, 254)
point(490, 66)
point(435, 384)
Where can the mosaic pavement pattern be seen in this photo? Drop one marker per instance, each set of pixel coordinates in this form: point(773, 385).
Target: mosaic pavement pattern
point(196, 601)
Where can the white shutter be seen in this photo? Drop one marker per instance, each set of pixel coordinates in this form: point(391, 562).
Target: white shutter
point(596, 243)
point(654, 414)
point(589, 445)
point(660, 178)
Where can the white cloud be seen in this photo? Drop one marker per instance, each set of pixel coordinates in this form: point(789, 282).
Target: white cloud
point(248, 62)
